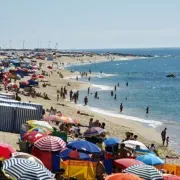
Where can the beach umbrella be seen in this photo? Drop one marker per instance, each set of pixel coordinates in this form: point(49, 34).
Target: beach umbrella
point(145, 171)
point(133, 144)
point(126, 162)
point(67, 120)
point(20, 168)
point(94, 131)
point(51, 118)
point(171, 177)
point(41, 130)
point(33, 136)
point(26, 156)
point(6, 150)
point(123, 176)
point(112, 141)
point(18, 77)
point(73, 154)
point(150, 159)
point(50, 143)
point(84, 146)
point(44, 124)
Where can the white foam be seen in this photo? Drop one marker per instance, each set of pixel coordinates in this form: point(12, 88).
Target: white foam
point(102, 87)
point(151, 123)
point(102, 75)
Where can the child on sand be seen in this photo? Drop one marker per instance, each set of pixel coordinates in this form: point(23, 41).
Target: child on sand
point(167, 141)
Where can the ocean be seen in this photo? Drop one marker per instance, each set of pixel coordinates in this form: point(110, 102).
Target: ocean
point(148, 86)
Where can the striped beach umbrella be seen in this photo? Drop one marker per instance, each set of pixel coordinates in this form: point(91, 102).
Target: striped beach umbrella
point(94, 131)
point(26, 156)
point(145, 172)
point(21, 168)
point(50, 143)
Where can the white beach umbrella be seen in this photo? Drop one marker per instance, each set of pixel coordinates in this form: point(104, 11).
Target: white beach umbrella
point(133, 144)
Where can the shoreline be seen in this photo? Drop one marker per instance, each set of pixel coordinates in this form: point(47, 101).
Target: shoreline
point(114, 125)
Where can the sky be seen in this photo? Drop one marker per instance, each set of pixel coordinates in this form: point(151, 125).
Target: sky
point(89, 24)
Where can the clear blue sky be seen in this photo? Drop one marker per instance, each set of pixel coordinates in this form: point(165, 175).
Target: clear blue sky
point(83, 24)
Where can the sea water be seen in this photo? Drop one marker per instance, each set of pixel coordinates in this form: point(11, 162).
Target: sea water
point(148, 86)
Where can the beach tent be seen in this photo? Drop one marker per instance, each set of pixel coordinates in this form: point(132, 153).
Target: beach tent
point(79, 169)
point(47, 148)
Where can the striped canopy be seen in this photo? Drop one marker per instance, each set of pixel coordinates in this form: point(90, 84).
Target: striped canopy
point(145, 171)
point(24, 169)
point(50, 143)
point(94, 131)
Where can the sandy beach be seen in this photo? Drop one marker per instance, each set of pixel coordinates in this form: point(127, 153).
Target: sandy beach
point(116, 127)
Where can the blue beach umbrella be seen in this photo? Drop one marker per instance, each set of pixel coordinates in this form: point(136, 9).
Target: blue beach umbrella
point(84, 146)
point(150, 159)
point(112, 141)
point(73, 154)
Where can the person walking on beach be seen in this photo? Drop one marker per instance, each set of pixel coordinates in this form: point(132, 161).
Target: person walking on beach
point(88, 90)
point(118, 84)
point(167, 141)
point(163, 136)
point(112, 93)
point(147, 110)
point(114, 88)
point(76, 78)
point(71, 95)
point(127, 84)
point(85, 101)
point(77, 95)
point(75, 98)
point(115, 97)
point(96, 95)
point(89, 78)
point(121, 107)
point(57, 96)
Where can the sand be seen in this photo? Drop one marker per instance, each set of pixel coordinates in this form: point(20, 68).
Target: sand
point(116, 127)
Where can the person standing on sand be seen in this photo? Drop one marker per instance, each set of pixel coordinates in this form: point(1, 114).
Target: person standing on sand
point(85, 101)
point(147, 110)
point(114, 88)
point(127, 84)
point(88, 90)
point(71, 95)
point(77, 95)
point(163, 136)
point(121, 107)
point(57, 96)
point(167, 141)
point(118, 84)
point(112, 93)
point(115, 97)
point(89, 78)
point(96, 95)
point(75, 98)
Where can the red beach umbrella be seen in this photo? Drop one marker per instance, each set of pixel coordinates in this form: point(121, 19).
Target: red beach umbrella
point(33, 136)
point(126, 162)
point(6, 150)
point(50, 143)
point(123, 176)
